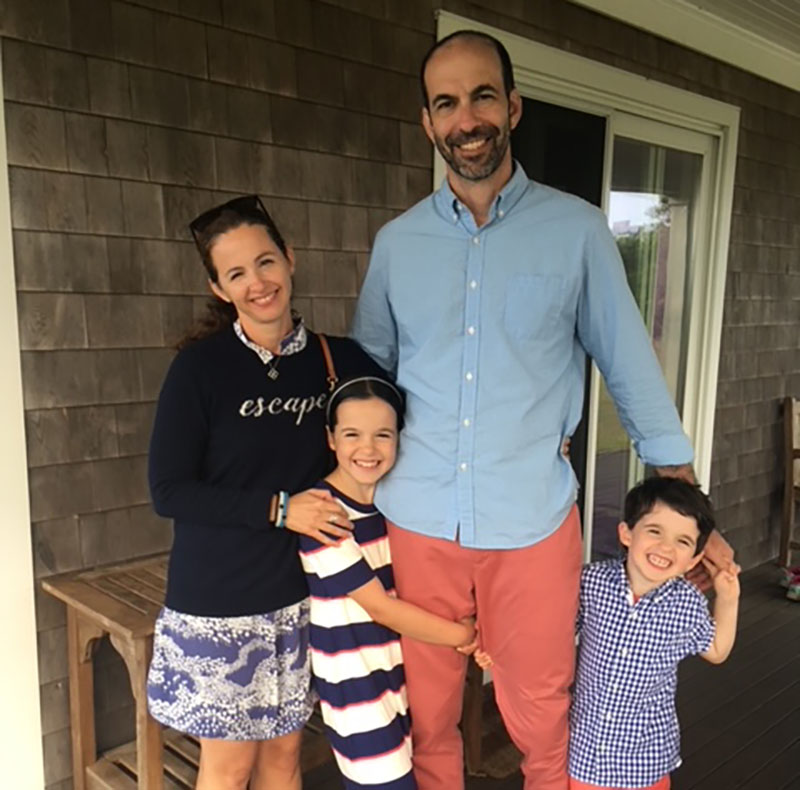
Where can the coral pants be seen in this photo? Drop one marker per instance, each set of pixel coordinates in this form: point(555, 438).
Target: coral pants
point(526, 601)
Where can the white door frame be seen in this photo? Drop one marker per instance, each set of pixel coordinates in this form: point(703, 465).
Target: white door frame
point(21, 741)
point(562, 78)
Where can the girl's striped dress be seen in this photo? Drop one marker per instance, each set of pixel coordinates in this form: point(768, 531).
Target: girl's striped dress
point(357, 663)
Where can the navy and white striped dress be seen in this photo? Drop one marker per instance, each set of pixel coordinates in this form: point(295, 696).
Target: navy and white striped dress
point(357, 663)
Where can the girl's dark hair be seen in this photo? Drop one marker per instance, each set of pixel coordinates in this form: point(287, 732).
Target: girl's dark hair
point(206, 229)
point(685, 498)
point(363, 388)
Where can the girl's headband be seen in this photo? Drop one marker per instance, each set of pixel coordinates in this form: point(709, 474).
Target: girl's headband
point(344, 385)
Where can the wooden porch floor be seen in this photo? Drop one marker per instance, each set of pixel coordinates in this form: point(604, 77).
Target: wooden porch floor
point(740, 721)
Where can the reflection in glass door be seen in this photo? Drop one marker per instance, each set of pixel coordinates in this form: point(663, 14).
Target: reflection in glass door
point(653, 208)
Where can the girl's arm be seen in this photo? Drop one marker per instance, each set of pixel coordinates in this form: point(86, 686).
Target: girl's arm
point(726, 610)
point(408, 619)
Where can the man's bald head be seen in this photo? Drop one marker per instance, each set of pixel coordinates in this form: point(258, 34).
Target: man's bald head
point(470, 37)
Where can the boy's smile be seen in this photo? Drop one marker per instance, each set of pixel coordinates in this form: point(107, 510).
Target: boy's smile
point(661, 546)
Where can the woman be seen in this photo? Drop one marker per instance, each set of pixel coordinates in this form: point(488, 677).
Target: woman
point(238, 440)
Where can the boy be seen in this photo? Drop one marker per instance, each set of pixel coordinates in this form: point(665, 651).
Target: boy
point(638, 617)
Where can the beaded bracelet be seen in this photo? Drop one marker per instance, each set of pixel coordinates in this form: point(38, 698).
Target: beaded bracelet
point(283, 507)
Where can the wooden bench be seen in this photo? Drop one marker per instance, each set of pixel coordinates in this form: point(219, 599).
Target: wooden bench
point(122, 601)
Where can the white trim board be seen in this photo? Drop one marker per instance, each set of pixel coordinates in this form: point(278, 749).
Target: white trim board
point(702, 31)
point(21, 740)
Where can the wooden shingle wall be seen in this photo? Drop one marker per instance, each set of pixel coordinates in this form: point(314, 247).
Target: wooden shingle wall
point(126, 118)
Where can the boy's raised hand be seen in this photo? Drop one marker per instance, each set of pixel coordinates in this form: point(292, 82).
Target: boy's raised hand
point(717, 555)
point(725, 580)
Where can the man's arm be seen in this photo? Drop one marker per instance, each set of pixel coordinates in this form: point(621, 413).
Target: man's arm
point(611, 329)
point(373, 325)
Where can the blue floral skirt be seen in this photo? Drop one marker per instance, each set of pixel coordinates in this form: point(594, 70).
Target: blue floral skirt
point(236, 678)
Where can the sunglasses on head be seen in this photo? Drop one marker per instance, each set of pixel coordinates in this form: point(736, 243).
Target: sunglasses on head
point(246, 204)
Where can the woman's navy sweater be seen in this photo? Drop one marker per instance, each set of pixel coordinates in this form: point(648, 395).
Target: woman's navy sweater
point(226, 437)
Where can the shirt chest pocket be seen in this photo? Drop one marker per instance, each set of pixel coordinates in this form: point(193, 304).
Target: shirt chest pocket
point(533, 302)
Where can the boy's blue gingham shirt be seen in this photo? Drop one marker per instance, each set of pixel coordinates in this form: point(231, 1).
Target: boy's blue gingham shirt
point(623, 725)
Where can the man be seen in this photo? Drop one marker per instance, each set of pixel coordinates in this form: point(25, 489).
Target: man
point(484, 299)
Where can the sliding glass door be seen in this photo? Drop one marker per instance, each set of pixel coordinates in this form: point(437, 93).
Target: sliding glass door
point(656, 201)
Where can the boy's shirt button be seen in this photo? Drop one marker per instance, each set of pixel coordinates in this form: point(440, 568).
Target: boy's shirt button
point(624, 652)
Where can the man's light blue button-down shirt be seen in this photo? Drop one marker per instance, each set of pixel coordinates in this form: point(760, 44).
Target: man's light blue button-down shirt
point(486, 330)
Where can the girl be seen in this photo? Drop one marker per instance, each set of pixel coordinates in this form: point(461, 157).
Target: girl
point(237, 443)
point(355, 618)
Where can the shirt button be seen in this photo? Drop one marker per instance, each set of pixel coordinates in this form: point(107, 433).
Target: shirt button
point(609, 717)
point(466, 422)
point(468, 377)
point(476, 240)
point(615, 687)
point(463, 467)
point(624, 652)
point(473, 284)
point(500, 213)
point(634, 615)
point(471, 330)
point(455, 217)
point(601, 747)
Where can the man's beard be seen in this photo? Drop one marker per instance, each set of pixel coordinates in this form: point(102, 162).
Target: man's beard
point(475, 169)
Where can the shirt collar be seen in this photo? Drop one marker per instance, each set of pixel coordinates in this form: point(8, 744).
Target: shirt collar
point(451, 208)
point(654, 595)
point(294, 342)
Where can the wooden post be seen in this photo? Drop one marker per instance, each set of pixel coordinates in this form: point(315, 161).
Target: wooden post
point(81, 639)
point(149, 741)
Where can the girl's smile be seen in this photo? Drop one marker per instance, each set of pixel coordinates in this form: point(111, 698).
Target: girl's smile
point(365, 443)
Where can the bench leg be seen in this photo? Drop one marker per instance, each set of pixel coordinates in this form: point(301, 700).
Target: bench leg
point(149, 741)
point(82, 638)
point(472, 718)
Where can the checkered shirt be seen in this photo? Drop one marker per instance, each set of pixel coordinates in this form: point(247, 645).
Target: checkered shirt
point(623, 725)
point(293, 343)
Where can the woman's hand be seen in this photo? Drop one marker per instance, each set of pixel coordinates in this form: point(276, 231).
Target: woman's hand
point(317, 514)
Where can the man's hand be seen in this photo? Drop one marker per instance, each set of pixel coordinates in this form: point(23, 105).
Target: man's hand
point(717, 556)
point(682, 472)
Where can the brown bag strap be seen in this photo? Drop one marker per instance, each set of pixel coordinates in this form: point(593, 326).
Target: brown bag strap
point(333, 379)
